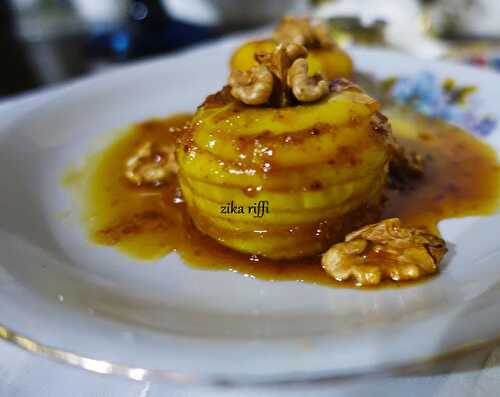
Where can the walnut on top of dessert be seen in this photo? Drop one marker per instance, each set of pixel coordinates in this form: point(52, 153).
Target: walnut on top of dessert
point(280, 79)
point(254, 86)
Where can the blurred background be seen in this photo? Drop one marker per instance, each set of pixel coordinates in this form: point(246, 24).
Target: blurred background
point(43, 42)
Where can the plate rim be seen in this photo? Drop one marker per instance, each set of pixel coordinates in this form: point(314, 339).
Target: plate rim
point(254, 381)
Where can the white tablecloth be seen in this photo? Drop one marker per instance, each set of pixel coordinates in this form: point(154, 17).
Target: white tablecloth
point(24, 374)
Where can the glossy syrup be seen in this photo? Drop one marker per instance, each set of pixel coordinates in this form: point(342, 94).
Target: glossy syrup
point(462, 178)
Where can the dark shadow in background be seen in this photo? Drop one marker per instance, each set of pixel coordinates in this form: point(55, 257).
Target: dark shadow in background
point(16, 73)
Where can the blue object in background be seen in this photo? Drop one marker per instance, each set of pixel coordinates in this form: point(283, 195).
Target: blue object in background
point(148, 31)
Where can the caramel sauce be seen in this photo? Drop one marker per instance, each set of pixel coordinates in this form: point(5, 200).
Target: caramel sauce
point(462, 178)
point(462, 174)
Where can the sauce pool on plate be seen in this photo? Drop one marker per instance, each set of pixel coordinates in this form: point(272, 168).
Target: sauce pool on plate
point(462, 178)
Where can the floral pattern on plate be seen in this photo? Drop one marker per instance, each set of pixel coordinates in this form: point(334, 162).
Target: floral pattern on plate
point(425, 93)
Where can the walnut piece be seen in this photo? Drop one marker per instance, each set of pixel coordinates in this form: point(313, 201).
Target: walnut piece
point(279, 62)
point(305, 88)
point(384, 250)
point(253, 87)
point(404, 167)
point(302, 31)
point(151, 165)
point(280, 79)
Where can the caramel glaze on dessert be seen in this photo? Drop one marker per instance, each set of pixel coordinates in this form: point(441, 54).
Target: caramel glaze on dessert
point(462, 178)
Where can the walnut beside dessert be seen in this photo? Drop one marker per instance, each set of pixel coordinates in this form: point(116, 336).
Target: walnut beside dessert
point(151, 164)
point(384, 250)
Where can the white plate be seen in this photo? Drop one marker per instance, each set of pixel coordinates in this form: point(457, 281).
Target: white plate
point(168, 321)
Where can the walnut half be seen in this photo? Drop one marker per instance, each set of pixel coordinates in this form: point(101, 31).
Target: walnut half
point(151, 164)
point(305, 88)
point(384, 250)
point(253, 87)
